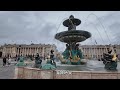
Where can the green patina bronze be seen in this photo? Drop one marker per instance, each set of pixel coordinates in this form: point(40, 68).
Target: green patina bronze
point(38, 61)
point(110, 60)
point(50, 64)
point(74, 55)
point(21, 62)
point(111, 66)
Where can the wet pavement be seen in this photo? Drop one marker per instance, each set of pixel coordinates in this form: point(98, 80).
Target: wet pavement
point(92, 65)
point(6, 72)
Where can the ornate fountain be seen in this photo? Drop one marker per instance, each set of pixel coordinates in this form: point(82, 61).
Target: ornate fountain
point(72, 53)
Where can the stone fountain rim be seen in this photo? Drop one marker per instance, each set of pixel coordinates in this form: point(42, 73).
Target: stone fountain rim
point(73, 32)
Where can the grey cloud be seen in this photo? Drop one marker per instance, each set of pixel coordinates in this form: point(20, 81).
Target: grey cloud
point(108, 26)
point(40, 27)
point(20, 25)
point(112, 22)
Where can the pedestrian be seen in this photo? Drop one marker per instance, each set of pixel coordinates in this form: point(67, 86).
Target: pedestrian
point(15, 59)
point(9, 61)
point(18, 59)
point(4, 61)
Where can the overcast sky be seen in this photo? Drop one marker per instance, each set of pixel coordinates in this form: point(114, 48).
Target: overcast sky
point(22, 27)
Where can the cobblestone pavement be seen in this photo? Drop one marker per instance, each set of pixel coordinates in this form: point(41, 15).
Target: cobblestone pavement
point(6, 72)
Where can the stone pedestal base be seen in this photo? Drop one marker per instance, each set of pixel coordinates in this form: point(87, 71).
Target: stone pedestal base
point(33, 73)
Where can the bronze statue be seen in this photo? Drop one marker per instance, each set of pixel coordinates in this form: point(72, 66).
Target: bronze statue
point(110, 59)
point(38, 61)
point(72, 25)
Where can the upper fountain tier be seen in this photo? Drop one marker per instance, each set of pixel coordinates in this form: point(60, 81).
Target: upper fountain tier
point(72, 21)
point(72, 35)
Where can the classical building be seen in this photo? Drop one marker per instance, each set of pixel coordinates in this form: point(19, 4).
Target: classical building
point(89, 51)
point(25, 50)
point(96, 51)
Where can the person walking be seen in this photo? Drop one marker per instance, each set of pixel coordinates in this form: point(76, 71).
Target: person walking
point(4, 61)
point(9, 61)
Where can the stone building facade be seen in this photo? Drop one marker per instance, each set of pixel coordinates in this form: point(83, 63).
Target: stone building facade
point(89, 51)
point(96, 51)
point(25, 50)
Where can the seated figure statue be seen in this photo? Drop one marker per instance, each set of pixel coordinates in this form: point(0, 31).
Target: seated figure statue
point(76, 54)
point(110, 60)
point(52, 58)
point(66, 52)
point(21, 62)
point(38, 61)
point(50, 62)
point(72, 25)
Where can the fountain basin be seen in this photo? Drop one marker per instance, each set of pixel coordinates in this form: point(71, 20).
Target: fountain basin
point(73, 36)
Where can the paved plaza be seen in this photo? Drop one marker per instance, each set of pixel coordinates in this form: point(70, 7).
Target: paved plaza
point(6, 72)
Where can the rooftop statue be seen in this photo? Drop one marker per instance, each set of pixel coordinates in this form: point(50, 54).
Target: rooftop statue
point(72, 25)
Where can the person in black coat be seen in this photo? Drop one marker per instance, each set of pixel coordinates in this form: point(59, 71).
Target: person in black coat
point(4, 61)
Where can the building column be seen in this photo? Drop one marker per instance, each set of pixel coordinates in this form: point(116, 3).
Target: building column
point(43, 51)
point(100, 52)
point(104, 49)
point(16, 51)
point(30, 50)
point(35, 50)
point(10, 52)
point(83, 52)
point(24, 51)
point(94, 52)
point(89, 52)
point(21, 51)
